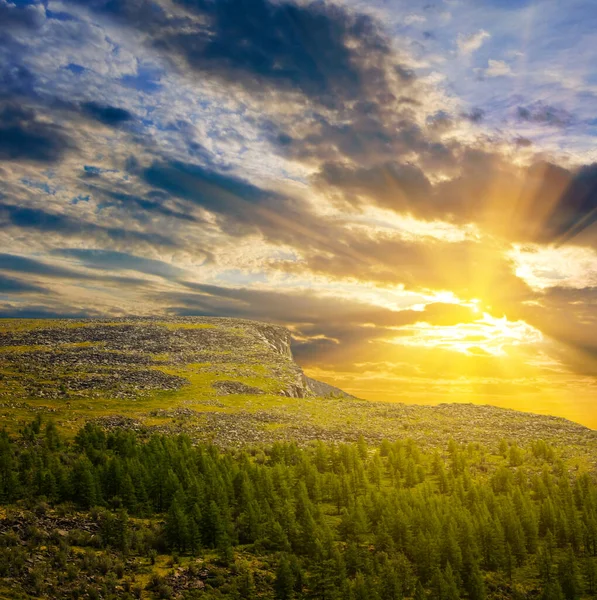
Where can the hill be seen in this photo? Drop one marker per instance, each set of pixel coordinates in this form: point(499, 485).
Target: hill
point(192, 459)
point(228, 381)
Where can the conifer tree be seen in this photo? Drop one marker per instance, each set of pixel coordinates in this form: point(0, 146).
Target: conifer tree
point(177, 526)
point(284, 583)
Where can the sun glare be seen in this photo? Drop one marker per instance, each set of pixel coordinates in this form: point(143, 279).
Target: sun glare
point(487, 335)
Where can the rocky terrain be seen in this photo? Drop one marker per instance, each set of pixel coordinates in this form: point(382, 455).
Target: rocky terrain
point(229, 381)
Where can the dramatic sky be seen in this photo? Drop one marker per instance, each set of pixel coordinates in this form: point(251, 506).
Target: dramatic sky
point(411, 187)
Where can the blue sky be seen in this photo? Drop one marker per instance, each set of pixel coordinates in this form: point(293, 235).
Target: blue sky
point(378, 176)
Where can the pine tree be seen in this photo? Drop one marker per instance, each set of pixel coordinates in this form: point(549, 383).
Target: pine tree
point(246, 585)
point(83, 484)
point(591, 576)
point(569, 577)
point(450, 589)
point(420, 592)
point(284, 583)
point(552, 591)
point(177, 525)
point(474, 583)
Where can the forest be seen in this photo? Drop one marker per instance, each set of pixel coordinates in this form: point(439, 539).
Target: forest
point(117, 515)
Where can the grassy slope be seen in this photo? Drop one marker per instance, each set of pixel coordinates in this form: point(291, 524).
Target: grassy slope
point(160, 375)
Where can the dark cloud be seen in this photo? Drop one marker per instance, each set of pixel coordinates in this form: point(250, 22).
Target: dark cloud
point(523, 142)
point(557, 204)
point(217, 192)
point(39, 311)
point(43, 221)
point(476, 115)
point(23, 136)
point(111, 260)
point(106, 114)
point(316, 48)
point(10, 285)
point(577, 208)
point(402, 187)
point(30, 266)
point(142, 208)
point(28, 15)
point(479, 180)
point(545, 114)
point(307, 308)
point(367, 134)
point(241, 207)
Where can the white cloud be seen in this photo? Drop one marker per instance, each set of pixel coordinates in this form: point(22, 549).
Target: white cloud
point(543, 267)
point(467, 44)
point(497, 68)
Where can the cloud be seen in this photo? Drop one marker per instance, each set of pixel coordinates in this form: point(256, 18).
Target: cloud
point(154, 203)
point(25, 136)
point(10, 285)
point(467, 44)
point(108, 115)
point(315, 48)
point(24, 264)
point(240, 207)
point(305, 308)
point(402, 187)
point(557, 204)
point(15, 15)
point(43, 221)
point(545, 115)
point(497, 68)
point(544, 267)
point(40, 311)
point(110, 260)
point(29, 266)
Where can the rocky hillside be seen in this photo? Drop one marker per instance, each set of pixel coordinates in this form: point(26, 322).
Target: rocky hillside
point(67, 360)
point(230, 381)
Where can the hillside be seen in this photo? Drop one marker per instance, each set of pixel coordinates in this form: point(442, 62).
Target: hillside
point(227, 381)
point(101, 498)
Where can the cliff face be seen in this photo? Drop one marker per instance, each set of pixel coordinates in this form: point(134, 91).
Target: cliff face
point(279, 339)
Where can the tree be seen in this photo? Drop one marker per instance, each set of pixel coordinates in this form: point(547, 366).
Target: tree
point(569, 577)
point(284, 583)
point(246, 585)
point(450, 589)
point(474, 583)
point(419, 592)
point(177, 525)
point(591, 576)
point(552, 591)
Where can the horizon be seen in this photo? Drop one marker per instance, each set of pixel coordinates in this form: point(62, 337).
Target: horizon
point(412, 191)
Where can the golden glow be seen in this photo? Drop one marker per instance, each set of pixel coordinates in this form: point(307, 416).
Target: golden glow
point(543, 267)
point(487, 335)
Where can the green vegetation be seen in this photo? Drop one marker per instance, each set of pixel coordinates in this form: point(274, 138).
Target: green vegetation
point(111, 515)
point(191, 458)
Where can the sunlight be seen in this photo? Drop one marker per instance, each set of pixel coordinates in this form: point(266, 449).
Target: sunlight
point(487, 335)
point(543, 267)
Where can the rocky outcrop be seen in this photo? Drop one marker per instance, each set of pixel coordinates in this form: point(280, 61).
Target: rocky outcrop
point(319, 388)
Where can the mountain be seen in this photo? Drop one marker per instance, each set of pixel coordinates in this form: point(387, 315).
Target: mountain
point(230, 381)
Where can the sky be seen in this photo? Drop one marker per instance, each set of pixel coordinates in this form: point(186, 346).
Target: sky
point(410, 187)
